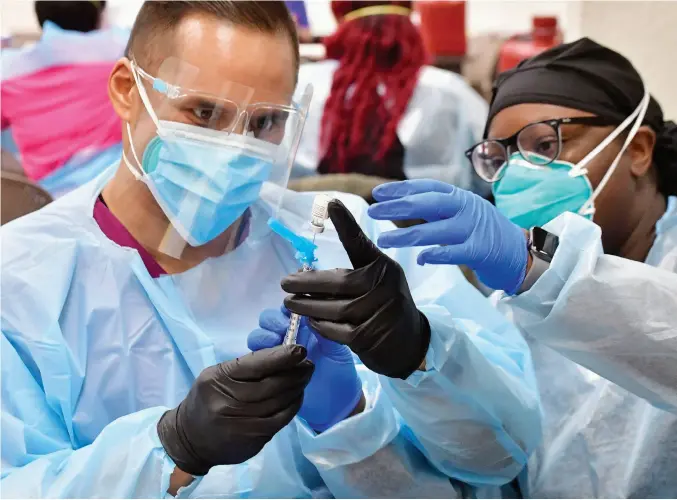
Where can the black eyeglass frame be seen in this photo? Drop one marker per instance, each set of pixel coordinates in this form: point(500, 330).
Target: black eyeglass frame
point(512, 141)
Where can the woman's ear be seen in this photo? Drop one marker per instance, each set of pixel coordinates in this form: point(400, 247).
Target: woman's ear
point(640, 150)
point(122, 90)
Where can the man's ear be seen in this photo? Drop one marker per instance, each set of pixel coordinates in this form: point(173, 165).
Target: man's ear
point(641, 149)
point(122, 90)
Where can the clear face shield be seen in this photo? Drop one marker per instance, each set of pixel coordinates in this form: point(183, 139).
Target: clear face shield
point(211, 154)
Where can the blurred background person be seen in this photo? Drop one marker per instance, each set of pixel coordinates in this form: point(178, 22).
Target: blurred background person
point(379, 110)
point(300, 14)
point(54, 96)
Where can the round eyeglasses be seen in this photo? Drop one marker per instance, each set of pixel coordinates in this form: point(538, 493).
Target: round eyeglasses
point(539, 143)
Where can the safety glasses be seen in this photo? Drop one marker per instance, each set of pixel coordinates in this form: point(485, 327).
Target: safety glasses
point(539, 143)
point(265, 121)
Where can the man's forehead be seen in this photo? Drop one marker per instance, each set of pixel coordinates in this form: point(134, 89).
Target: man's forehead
point(215, 57)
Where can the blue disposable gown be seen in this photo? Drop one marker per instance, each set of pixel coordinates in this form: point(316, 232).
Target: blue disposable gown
point(612, 437)
point(94, 351)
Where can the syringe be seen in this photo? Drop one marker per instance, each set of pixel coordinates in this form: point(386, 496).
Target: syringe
point(319, 215)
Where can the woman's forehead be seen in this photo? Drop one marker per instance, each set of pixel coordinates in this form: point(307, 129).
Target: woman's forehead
point(510, 120)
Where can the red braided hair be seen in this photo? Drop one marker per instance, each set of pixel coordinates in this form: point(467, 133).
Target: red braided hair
point(379, 60)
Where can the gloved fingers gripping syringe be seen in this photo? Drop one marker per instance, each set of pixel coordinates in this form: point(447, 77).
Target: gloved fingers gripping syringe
point(305, 250)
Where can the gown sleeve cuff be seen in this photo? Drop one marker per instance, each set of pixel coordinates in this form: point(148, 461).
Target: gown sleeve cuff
point(355, 438)
point(580, 245)
point(168, 467)
point(441, 341)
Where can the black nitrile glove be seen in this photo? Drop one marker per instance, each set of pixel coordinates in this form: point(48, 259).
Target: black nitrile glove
point(234, 408)
point(369, 309)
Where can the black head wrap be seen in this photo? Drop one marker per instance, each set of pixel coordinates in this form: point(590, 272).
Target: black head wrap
point(587, 76)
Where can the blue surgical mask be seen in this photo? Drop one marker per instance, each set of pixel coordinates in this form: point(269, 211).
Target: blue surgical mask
point(202, 185)
point(531, 195)
point(202, 179)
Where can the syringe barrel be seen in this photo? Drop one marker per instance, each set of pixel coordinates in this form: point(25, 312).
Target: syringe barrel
point(319, 214)
point(295, 319)
point(293, 330)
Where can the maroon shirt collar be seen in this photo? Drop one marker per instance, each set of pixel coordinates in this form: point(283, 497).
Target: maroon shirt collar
point(117, 233)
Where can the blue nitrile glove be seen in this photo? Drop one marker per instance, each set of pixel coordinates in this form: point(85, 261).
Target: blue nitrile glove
point(470, 230)
point(335, 388)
